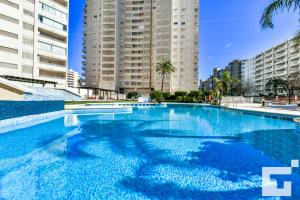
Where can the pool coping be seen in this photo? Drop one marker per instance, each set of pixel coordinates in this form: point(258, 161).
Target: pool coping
point(12, 124)
point(279, 114)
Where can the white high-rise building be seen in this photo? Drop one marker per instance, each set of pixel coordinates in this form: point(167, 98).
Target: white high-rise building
point(281, 61)
point(124, 41)
point(72, 78)
point(34, 39)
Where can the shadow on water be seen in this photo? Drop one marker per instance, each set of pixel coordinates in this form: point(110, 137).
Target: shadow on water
point(234, 159)
point(174, 191)
point(280, 144)
point(23, 141)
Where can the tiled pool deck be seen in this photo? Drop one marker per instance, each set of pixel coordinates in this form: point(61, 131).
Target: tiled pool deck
point(265, 110)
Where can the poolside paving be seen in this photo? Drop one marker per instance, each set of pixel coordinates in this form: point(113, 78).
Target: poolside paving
point(259, 108)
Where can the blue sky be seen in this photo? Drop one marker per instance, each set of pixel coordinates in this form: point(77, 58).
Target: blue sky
point(229, 29)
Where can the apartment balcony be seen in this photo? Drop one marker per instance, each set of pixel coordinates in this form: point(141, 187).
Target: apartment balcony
point(294, 63)
point(52, 31)
point(294, 50)
point(281, 67)
point(62, 20)
point(268, 59)
point(268, 70)
point(267, 65)
point(52, 67)
point(293, 43)
point(280, 55)
point(268, 76)
point(268, 53)
point(281, 47)
point(294, 56)
point(63, 3)
point(48, 75)
point(280, 61)
point(51, 55)
point(281, 72)
point(54, 41)
point(294, 69)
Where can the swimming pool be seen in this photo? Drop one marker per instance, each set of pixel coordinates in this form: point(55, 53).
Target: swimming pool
point(177, 152)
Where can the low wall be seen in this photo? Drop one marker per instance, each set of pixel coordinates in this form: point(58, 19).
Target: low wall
point(11, 109)
point(237, 99)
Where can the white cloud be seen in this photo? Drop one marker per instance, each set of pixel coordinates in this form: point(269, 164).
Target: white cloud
point(228, 45)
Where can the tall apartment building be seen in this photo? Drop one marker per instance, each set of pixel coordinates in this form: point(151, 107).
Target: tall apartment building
point(124, 41)
point(278, 62)
point(34, 39)
point(235, 69)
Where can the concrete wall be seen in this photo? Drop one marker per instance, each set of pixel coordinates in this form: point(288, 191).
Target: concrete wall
point(9, 93)
point(11, 109)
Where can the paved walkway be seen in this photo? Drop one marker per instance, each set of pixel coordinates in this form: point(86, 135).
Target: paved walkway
point(259, 108)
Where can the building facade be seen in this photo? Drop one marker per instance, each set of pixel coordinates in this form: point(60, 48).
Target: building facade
point(124, 41)
point(72, 78)
point(280, 61)
point(235, 69)
point(248, 77)
point(34, 39)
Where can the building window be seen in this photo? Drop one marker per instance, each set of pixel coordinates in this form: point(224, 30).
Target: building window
point(54, 24)
point(46, 8)
point(52, 48)
point(28, 12)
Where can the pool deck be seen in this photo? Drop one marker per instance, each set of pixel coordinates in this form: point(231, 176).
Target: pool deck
point(254, 107)
point(258, 108)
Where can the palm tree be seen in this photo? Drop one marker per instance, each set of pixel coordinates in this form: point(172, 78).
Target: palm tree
point(164, 68)
point(226, 81)
point(275, 84)
point(218, 88)
point(266, 20)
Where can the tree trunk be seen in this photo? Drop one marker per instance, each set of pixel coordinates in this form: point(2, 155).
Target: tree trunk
point(162, 82)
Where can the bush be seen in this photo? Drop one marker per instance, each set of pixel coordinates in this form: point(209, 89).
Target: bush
point(132, 95)
point(180, 94)
point(196, 94)
point(192, 97)
point(157, 96)
point(166, 95)
point(172, 98)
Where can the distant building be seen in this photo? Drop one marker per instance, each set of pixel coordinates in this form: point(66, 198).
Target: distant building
point(235, 69)
point(248, 77)
point(72, 78)
point(280, 61)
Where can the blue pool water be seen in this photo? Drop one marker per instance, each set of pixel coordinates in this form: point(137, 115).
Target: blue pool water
point(176, 152)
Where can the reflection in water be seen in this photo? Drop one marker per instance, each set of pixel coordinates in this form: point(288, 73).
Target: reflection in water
point(282, 144)
point(153, 153)
point(71, 120)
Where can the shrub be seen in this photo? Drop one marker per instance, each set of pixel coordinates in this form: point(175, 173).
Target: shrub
point(197, 96)
point(180, 94)
point(132, 95)
point(172, 97)
point(157, 96)
point(166, 95)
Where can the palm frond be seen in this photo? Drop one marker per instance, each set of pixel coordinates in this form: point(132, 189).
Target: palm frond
point(270, 11)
